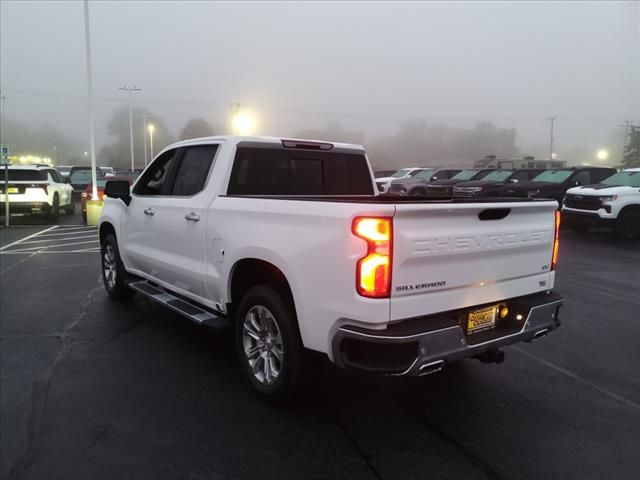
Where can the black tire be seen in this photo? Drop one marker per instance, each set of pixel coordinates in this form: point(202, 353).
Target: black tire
point(280, 390)
point(113, 272)
point(71, 208)
point(54, 211)
point(628, 226)
point(418, 192)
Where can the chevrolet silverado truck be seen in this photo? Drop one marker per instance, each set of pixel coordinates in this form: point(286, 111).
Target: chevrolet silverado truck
point(288, 242)
point(614, 202)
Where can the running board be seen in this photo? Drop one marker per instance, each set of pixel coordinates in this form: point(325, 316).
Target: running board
point(183, 307)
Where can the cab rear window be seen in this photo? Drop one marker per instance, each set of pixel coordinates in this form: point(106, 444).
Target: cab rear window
point(268, 171)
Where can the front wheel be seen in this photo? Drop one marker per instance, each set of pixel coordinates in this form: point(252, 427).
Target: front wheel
point(113, 272)
point(628, 226)
point(268, 344)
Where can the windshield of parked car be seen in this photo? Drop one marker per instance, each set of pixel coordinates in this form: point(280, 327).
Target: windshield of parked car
point(498, 176)
point(25, 175)
point(401, 173)
point(623, 179)
point(428, 173)
point(465, 174)
point(80, 176)
point(63, 169)
point(553, 176)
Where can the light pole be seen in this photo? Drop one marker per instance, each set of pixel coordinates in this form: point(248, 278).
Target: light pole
point(552, 120)
point(130, 90)
point(151, 129)
point(92, 121)
point(144, 135)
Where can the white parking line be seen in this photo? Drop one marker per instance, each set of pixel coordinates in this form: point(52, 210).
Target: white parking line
point(46, 247)
point(76, 232)
point(17, 242)
point(559, 369)
point(59, 239)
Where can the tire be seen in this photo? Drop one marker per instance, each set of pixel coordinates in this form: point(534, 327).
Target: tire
point(54, 211)
point(418, 192)
point(628, 226)
point(113, 272)
point(265, 324)
point(71, 208)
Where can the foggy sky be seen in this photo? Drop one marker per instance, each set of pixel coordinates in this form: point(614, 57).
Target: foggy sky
point(365, 65)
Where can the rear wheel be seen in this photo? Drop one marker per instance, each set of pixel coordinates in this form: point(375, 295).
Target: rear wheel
point(628, 226)
point(54, 210)
point(71, 208)
point(268, 344)
point(113, 272)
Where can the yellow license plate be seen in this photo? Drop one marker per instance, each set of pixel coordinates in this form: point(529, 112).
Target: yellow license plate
point(12, 190)
point(481, 320)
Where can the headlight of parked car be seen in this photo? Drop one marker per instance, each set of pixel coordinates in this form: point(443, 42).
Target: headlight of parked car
point(609, 198)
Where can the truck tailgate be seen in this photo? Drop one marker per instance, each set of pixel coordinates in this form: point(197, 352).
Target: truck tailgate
point(450, 256)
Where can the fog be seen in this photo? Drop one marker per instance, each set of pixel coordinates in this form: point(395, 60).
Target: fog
point(369, 70)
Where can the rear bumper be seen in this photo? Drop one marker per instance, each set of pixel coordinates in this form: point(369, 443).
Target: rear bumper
point(422, 345)
point(25, 207)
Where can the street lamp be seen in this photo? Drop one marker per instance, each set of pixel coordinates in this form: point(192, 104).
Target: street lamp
point(151, 129)
point(242, 122)
point(602, 154)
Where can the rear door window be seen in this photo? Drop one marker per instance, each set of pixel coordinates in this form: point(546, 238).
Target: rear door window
point(194, 169)
point(273, 171)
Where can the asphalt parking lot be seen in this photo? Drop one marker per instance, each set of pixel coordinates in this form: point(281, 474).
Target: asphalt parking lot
point(92, 388)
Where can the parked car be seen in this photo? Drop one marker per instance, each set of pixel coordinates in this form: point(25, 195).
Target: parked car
point(417, 185)
point(614, 202)
point(555, 183)
point(383, 173)
point(37, 190)
point(384, 183)
point(288, 241)
point(491, 184)
point(80, 177)
point(444, 188)
point(64, 170)
point(108, 171)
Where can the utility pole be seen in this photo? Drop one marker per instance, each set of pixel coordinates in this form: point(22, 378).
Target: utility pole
point(92, 120)
point(130, 90)
point(144, 135)
point(552, 120)
point(624, 139)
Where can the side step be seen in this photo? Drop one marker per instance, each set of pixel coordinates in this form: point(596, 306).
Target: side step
point(183, 307)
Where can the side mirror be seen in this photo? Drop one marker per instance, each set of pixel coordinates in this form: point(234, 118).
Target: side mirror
point(118, 189)
point(434, 178)
point(514, 180)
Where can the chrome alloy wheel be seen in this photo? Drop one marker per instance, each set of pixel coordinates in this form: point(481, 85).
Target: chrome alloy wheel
point(109, 266)
point(262, 344)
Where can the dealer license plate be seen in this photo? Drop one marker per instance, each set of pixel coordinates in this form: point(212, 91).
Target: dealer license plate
point(481, 320)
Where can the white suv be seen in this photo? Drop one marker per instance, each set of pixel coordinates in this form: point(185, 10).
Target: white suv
point(36, 189)
point(614, 202)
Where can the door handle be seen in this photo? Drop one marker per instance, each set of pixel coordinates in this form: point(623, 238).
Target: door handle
point(194, 217)
point(149, 211)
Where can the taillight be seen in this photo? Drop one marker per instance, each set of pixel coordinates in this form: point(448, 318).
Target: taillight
point(84, 195)
point(373, 271)
point(556, 241)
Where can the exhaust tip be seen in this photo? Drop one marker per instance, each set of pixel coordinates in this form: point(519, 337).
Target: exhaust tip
point(540, 334)
point(432, 367)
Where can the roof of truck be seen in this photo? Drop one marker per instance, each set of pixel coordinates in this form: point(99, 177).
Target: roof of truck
point(236, 139)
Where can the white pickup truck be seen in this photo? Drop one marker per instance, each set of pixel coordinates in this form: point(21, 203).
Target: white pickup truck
point(287, 241)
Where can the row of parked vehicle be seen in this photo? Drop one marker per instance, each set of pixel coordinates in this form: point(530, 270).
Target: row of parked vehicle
point(45, 190)
point(588, 195)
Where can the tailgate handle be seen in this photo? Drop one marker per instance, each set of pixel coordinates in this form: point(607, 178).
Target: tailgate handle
point(494, 213)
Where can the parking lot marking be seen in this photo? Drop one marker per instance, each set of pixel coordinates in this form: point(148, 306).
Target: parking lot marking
point(26, 238)
point(56, 240)
point(579, 379)
point(574, 283)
